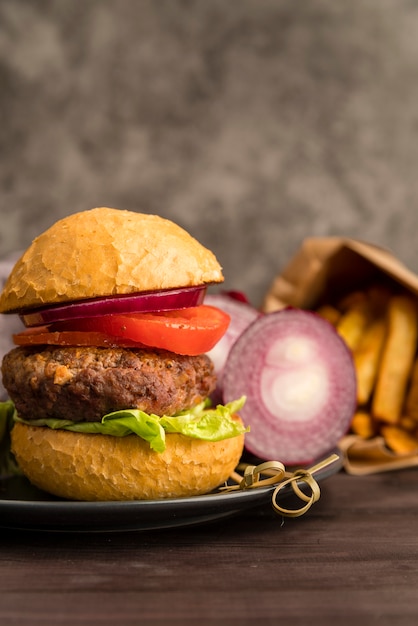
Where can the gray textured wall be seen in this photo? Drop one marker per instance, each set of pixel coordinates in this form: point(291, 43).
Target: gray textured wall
point(253, 123)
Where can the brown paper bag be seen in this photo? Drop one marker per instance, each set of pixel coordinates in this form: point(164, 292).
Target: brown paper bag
point(324, 269)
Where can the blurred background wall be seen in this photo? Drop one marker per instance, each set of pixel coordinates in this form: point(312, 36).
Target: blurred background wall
point(252, 123)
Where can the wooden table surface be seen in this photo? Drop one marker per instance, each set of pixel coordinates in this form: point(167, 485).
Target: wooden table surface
point(352, 559)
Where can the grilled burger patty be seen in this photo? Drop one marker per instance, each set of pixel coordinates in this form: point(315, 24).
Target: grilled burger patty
point(85, 383)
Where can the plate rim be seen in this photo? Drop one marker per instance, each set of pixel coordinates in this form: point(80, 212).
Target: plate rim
point(177, 512)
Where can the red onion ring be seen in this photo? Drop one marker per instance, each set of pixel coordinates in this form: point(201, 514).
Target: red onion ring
point(299, 379)
point(165, 300)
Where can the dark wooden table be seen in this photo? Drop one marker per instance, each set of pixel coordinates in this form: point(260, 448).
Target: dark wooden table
point(352, 559)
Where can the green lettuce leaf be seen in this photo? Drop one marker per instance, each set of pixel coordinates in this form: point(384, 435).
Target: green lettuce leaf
point(8, 465)
point(200, 422)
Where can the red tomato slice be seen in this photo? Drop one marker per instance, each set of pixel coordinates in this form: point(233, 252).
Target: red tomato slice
point(190, 331)
point(69, 338)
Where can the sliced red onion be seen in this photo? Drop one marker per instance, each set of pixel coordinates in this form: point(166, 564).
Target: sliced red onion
point(299, 379)
point(237, 295)
point(242, 314)
point(167, 300)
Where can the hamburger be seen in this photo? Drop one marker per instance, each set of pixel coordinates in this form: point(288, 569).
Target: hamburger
point(110, 379)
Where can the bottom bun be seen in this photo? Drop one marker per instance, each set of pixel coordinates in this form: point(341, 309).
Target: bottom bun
point(101, 467)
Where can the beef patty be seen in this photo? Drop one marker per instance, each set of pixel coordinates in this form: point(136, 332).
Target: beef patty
point(83, 384)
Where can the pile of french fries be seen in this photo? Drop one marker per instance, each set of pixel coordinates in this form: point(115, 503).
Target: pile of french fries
point(380, 327)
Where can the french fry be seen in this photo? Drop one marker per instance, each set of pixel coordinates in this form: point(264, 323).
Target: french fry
point(351, 300)
point(379, 296)
point(381, 329)
point(411, 402)
point(398, 440)
point(353, 323)
point(408, 424)
point(363, 424)
point(329, 313)
point(397, 359)
point(367, 359)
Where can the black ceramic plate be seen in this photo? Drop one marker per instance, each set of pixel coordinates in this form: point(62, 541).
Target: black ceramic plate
point(24, 507)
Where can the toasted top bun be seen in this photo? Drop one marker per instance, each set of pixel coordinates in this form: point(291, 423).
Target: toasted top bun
point(101, 467)
point(104, 252)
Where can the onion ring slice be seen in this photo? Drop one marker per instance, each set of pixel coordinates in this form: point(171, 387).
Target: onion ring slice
point(299, 379)
point(146, 302)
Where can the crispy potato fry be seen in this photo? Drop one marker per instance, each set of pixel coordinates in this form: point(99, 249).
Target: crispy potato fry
point(354, 322)
point(398, 440)
point(351, 300)
point(408, 423)
point(397, 359)
point(363, 424)
point(411, 402)
point(329, 313)
point(379, 296)
point(367, 358)
point(381, 329)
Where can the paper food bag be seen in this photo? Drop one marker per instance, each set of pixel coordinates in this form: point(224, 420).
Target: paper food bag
point(325, 270)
